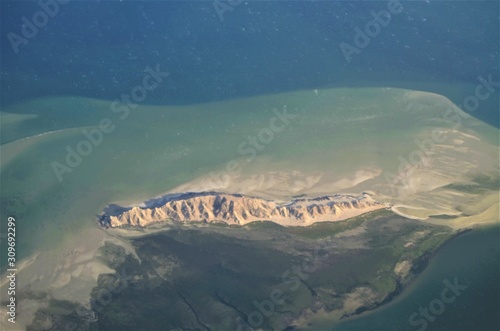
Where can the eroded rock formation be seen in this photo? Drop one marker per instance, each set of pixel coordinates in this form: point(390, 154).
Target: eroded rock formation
point(240, 209)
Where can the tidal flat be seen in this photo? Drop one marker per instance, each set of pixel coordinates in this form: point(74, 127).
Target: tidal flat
point(258, 276)
point(336, 141)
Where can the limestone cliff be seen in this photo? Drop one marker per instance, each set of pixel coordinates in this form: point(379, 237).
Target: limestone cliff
point(240, 209)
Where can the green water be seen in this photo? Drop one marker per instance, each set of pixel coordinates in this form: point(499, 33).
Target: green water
point(473, 259)
point(154, 149)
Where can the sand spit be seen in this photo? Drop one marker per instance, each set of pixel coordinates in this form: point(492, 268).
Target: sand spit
point(12, 149)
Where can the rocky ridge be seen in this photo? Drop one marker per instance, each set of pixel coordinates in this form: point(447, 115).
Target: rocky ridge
point(240, 209)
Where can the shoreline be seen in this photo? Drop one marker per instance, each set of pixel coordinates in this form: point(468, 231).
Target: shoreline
point(417, 269)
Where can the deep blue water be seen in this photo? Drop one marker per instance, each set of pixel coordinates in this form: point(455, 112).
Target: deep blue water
point(99, 48)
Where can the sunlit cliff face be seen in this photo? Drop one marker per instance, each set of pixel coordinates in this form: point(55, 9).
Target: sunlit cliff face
point(239, 209)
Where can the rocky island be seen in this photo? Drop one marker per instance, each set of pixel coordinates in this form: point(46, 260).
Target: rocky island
point(240, 209)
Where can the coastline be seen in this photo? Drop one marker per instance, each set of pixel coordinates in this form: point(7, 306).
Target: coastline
point(418, 267)
point(330, 319)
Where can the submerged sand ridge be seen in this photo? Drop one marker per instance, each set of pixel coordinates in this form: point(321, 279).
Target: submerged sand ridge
point(421, 170)
point(342, 141)
point(240, 209)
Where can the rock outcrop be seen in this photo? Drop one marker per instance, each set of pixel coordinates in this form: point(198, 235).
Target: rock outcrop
point(240, 209)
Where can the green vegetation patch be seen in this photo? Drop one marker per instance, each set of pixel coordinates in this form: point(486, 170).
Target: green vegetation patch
point(326, 229)
point(222, 278)
point(480, 183)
